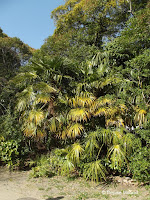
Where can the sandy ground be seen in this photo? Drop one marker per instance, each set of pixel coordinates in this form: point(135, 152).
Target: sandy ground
point(18, 186)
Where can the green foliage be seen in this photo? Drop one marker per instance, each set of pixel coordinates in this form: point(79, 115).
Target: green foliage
point(94, 171)
point(42, 168)
point(9, 152)
point(140, 166)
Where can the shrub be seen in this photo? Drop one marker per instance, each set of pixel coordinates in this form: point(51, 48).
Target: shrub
point(140, 166)
point(9, 152)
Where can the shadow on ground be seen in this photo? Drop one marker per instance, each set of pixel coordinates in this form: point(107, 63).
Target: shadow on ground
point(57, 198)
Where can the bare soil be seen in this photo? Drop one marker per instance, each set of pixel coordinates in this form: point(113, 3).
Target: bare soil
point(18, 186)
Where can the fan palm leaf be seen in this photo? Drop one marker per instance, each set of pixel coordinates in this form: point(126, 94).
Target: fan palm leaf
point(140, 116)
point(117, 121)
point(94, 171)
point(67, 167)
point(101, 111)
point(76, 152)
point(117, 136)
point(79, 114)
point(53, 124)
point(100, 102)
point(91, 143)
point(105, 136)
point(36, 116)
point(75, 130)
point(44, 87)
point(27, 76)
point(25, 98)
point(30, 129)
point(117, 156)
point(42, 98)
point(83, 100)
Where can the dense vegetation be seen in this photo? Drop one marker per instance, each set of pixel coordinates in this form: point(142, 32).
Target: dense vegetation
point(79, 106)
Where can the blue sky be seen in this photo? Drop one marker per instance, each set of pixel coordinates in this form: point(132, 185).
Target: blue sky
point(28, 19)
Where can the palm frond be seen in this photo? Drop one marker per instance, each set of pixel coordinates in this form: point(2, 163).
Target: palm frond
point(75, 130)
point(117, 136)
point(128, 142)
point(91, 143)
point(84, 99)
point(67, 167)
point(100, 102)
point(40, 134)
point(25, 98)
point(42, 98)
point(140, 116)
point(101, 111)
point(94, 171)
point(30, 129)
point(36, 116)
point(44, 87)
point(75, 152)
point(111, 111)
point(27, 76)
point(21, 105)
point(53, 124)
point(105, 136)
point(117, 121)
point(118, 156)
point(79, 114)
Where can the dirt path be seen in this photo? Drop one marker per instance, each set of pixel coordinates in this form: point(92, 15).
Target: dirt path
point(18, 186)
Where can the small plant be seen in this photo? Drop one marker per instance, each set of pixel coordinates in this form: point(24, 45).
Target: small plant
point(82, 196)
point(42, 168)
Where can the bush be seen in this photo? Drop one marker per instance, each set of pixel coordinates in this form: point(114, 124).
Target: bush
point(9, 152)
point(43, 167)
point(140, 166)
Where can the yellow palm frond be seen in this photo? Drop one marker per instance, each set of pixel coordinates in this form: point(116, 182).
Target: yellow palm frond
point(30, 129)
point(75, 130)
point(140, 116)
point(100, 103)
point(76, 152)
point(36, 116)
point(84, 99)
point(63, 134)
point(110, 122)
point(117, 121)
point(42, 98)
point(53, 124)
point(79, 114)
point(100, 111)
